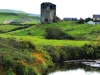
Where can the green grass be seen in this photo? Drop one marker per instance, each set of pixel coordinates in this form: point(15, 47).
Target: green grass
point(19, 58)
point(3, 18)
point(6, 28)
point(79, 31)
point(40, 40)
point(10, 16)
point(83, 33)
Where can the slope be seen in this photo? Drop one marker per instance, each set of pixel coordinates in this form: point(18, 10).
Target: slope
point(83, 33)
point(6, 14)
point(79, 31)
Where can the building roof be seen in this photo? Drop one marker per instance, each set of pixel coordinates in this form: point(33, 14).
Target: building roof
point(91, 23)
point(7, 21)
point(96, 16)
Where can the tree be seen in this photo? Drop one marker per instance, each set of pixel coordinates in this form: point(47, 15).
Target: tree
point(56, 33)
point(88, 19)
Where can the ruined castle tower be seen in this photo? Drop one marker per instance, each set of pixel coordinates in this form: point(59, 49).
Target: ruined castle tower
point(48, 13)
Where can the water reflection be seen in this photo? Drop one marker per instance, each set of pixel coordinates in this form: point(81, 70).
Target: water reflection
point(75, 72)
point(72, 69)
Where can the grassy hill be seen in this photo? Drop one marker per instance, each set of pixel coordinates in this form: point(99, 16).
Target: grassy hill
point(31, 54)
point(18, 59)
point(17, 11)
point(83, 33)
point(79, 31)
point(7, 28)
point(25, 50)
point(6, 14)
point(11, 11)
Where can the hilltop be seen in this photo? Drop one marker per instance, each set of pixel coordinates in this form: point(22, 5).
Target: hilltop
point(17, 11)
point(6, 14)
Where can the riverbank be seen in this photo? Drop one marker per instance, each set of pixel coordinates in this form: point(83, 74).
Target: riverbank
point(24, 58)
point(88, 60)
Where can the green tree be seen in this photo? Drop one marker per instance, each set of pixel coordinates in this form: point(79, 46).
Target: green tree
point(56, 33)
point(88, 19)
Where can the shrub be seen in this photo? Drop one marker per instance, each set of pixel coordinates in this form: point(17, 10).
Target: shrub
point(88, 19)
point(6, 62)
point(21, 69)
point(81, 21)
point(48, 60)
point(71, 52)
point(56, 33)
point(93, 50)
point(53, 52)
point(16, 58)
point(32, 71)
point(9, 72)
point(28, 44)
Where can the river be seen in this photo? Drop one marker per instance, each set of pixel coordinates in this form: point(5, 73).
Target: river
point(73, 68)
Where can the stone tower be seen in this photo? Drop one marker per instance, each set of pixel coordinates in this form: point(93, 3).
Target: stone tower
point(48, 13)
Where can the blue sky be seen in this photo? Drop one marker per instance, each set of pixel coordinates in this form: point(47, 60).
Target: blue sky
point(65, 8)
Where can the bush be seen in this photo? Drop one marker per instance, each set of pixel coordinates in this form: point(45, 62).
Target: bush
point(6, 62)
point(81, 21)
point(32, 71)
point(25, 70)
point(28, 44)
point(56, 33)
point(71, 52)
point(88, 19)
point(21, 69)
point(93, 50)
point(53, 52)
point(64, 53)
point(9, 72)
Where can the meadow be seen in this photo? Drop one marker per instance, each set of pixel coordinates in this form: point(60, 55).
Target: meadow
point(40, 40)
point(79, 31)
point(29, 52)
point(83, 33)
point(7, 28)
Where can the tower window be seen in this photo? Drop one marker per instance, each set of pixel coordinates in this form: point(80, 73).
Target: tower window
point(46, 19)
point(53, 20)
point(50, 7)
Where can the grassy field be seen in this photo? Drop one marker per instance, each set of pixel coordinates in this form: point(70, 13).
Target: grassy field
point(40, 40)
point(3, 18)
point(83, 33)
point(6, 28)
point(79, 31)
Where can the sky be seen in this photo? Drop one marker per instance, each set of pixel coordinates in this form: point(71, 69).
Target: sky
point(65, 8)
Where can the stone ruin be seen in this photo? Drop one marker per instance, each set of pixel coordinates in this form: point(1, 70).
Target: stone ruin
point(48, 13)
